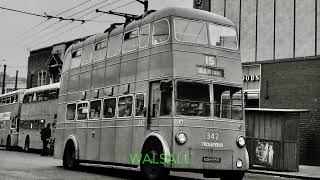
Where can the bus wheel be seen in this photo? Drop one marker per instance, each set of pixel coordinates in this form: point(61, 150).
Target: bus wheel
point(69, 157)
point(8, 145)
point(27, 144)
point(233, 175)
point(151, 166)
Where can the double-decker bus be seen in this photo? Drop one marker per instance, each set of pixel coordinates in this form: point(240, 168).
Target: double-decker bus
point(156, 93)
point(10, 104)
point(39, 107)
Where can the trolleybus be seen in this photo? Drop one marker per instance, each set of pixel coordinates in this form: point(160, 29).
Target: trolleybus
point(10, 104)
point(39, 107)
point(156, 93)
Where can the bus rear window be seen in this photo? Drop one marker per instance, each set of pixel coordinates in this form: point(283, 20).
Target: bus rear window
point(190, 31)
point(193, 99)
point(223, 36)
point(160, 31)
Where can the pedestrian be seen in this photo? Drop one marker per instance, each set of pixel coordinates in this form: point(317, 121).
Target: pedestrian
point(45, 137)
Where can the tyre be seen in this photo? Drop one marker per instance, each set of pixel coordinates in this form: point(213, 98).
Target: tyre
point(233, 176)
point(69, 157)
point(149, 170)
point(27, 144)
point(8, 144)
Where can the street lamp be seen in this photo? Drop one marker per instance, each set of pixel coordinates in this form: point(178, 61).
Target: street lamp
point(4, 76)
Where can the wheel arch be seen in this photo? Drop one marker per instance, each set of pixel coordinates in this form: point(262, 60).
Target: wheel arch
point(164, 143)
point(74, 140)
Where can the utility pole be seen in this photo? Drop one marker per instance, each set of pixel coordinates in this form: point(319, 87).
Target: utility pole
point(4, 78)
point(16, 83)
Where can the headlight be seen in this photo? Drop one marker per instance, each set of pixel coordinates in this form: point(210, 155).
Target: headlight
point(239, 163)
point(181, 138)
point(241, 141)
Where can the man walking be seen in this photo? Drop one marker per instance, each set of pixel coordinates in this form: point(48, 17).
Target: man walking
point(45, 137)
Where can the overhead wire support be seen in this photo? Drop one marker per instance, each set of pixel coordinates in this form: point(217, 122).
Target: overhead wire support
point(145, 4)
point(128, 17)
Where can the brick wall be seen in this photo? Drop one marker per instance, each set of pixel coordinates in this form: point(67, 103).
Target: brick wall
point(38, 62)
point(296, 84)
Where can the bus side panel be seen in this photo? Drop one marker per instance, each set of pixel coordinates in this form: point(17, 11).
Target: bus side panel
point(123, 140)
point(81, 133)
point(93, 140)
point(138, 137)
point(107, 144)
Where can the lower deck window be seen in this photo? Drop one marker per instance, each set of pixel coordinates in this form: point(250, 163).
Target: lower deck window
point(109, 108)
point(139, 104)
point(228, 102)
point(95, 109)
point(125, 106)
point(71, 112)
point(193, 99)
point(82, 111)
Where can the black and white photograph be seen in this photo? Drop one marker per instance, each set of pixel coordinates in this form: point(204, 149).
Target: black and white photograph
point(159, 89)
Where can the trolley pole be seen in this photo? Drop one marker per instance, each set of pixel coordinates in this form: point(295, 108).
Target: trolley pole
point(16, 83)
point(4, 78)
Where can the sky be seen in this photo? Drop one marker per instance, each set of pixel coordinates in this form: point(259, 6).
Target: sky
point(20, 33)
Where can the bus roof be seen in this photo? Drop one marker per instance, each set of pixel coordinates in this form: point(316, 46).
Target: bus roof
point(43, 88)
point(191, 14)
point(21, 91)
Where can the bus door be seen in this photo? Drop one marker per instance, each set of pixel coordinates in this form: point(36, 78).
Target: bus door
point(160, 106)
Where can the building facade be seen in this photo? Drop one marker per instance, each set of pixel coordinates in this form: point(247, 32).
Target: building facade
point(44, 65)
point(280, 50)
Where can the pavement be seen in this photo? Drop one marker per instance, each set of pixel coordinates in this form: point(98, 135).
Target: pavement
point(305, 172)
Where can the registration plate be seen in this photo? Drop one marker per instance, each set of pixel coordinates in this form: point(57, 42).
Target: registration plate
point(211, 159)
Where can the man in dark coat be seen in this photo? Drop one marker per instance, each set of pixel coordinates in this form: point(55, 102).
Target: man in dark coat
point(45, 137)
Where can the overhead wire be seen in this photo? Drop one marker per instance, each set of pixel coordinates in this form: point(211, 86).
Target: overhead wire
point(37, 25)
point(47, 27)
point(81, 24)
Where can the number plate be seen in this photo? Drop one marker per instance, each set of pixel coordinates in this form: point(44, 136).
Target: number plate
point(211, 159)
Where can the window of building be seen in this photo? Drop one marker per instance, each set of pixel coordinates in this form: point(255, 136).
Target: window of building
point(109, 108)
point(130, 41)
point(71, 112)
point(42, 78)
point(53, 94)
point(101, 45)
point(144, 35)
point(95, 109)
point(125, 106)
point(13, 123)
point(114, 46)
point(160, 31)
point(139, 104)
point(223, 36)
point(82, 111)
point(190, 31)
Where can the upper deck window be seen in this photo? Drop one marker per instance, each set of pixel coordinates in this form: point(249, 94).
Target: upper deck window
point(223, 36)
point(160, 31)
point(76, 58)
point(190, 31)
point(114, 46)
point(144, 36)
point(130, 41)
point(101, 45)
point(193, 99)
